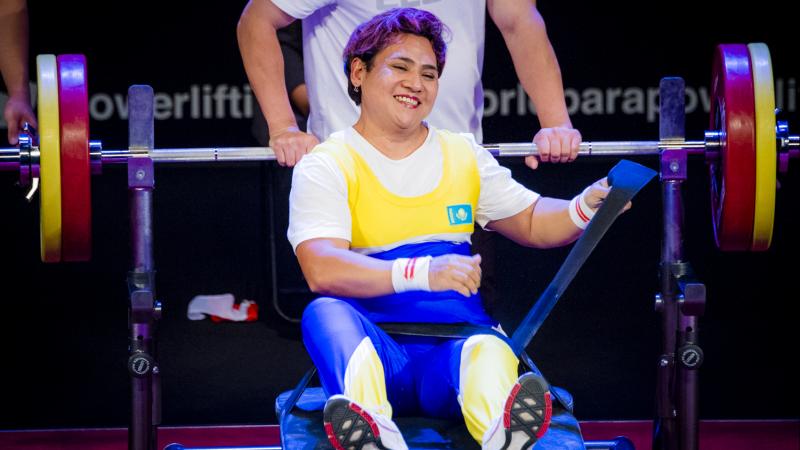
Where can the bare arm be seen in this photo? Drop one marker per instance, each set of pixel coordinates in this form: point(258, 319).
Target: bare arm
point(535, 62)
point(290, 39)
point(263, 62)
point(299, 96)
point(547, 223)
point(544, 224)
point(331, 268)
point(14, 65)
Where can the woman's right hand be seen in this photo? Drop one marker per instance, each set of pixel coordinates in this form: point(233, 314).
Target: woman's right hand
point(455, 272)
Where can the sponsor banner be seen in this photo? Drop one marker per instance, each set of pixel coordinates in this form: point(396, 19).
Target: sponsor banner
point(204, 101)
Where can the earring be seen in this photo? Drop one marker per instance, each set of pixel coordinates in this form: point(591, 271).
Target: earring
point(355, 89)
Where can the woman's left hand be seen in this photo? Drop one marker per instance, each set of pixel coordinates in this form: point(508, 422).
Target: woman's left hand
point(596, 193)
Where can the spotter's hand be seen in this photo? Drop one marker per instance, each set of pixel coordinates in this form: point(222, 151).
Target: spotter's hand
point(557, 144)
point(291, 144)
point(455, 272)
point(16, 113)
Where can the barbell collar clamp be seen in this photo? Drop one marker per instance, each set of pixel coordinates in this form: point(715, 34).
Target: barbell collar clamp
point(788, 145)
point(714, 140)
point(96, 156)
point(29, 163)
point(23, 159)
point(28, 158)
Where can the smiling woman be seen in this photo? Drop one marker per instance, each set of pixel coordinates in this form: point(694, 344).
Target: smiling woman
point(371, 37)
point(393, 67)
point(397, 92)
point(381, 215)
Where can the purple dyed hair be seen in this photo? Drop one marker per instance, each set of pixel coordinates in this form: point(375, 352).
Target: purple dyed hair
point(383, 30)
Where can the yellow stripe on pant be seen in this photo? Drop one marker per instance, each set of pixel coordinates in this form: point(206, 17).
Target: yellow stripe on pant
point(364, 380)
point(488, 372)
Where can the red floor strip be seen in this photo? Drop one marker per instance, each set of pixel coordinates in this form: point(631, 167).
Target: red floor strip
point(727, 435)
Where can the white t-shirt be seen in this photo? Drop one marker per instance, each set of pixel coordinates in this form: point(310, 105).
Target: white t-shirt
point(327, 25)
point(318, 200)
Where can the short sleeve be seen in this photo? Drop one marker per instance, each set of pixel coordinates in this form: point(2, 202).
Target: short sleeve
point(501, 196)
point(318, 201)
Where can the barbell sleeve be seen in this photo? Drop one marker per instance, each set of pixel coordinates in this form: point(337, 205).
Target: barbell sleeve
point(9, 159)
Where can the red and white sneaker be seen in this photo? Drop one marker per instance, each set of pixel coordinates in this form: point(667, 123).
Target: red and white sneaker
point(351, 427)
point(526, 416)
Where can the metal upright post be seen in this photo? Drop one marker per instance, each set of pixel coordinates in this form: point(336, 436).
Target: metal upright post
point(673, 173)
point(690, 357)
point(144, 309)
point(681, 299)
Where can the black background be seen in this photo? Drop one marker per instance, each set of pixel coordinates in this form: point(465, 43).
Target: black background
point(64, 330)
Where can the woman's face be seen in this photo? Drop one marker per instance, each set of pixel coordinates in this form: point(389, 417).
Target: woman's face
point(400, 88)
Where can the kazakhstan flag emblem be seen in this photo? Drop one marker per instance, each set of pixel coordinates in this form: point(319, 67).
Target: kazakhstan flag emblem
point(459, 214)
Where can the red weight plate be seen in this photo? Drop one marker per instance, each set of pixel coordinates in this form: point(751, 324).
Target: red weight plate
point(733, 175)
point(76, 200)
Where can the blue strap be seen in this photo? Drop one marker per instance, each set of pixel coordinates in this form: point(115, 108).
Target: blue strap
point(625, 179)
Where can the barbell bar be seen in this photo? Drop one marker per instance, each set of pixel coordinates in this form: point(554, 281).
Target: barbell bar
point(15, 159)
point(743, 150)
point(223, 154)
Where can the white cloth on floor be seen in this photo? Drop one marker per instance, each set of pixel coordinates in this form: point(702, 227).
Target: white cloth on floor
point(222, 306)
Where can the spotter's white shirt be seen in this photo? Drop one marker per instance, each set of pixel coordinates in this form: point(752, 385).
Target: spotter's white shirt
point(327, 26)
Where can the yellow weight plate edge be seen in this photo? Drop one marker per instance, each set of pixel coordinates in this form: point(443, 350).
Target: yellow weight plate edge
point(766, 153)
point(50, 160)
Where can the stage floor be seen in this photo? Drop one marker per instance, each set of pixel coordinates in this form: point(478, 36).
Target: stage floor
point(727, 435)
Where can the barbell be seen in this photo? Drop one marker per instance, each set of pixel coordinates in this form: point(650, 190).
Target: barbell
point(744, 150)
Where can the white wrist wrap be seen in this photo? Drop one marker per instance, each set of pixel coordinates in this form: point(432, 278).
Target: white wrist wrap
point(580, 212)
point(411, 274)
